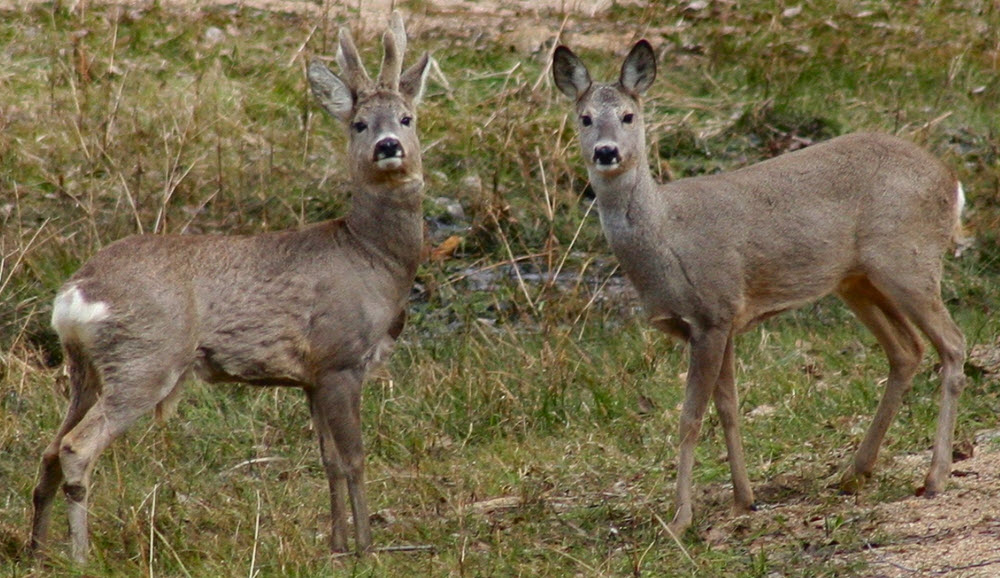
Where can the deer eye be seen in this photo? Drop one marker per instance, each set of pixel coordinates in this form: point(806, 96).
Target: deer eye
point(359, 126)
point(628, 118)
point(406, 120)
point(585, 120)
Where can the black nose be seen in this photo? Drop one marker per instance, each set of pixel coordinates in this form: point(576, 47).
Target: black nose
point(607, 155)
point(388, 148)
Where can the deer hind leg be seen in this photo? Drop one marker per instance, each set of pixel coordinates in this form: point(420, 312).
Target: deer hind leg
point(903, 349)
point(130, 391)
point(927, 311)
point(336, 412)
point(707, 353)
point(947, 338)
point(84, 390)
point(727, 404)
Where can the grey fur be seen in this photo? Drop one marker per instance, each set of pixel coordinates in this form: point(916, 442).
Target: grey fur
point(867, 217)
point(312, 308)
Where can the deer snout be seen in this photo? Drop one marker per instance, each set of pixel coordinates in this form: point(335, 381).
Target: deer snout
point(388, 148)
point(606, 155)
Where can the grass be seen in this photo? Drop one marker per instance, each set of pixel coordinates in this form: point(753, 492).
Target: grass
point(522, 427)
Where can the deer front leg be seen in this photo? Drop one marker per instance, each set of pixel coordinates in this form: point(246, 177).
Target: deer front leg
point(727, 404)
point(707, 352)
point(333, 465)
point(336, 413)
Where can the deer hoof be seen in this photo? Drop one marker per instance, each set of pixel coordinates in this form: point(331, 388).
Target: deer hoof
point(852, 482)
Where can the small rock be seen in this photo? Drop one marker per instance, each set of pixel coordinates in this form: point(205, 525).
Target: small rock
point(383, 517)
point(472, 184)
point(762, 411)
point(213, 35)
point(452, 208)
point(792, 12)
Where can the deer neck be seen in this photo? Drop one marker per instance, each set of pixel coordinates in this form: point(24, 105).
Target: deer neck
point(387, 221)
point(622, 199)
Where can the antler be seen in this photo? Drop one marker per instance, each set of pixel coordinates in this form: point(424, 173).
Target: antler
point(350, 63)
point(394, 41)
point(357, 79)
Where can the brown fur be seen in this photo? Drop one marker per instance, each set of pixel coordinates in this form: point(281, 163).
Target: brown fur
point(312, 308)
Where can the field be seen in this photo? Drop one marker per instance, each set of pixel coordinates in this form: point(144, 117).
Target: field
point(526, 424)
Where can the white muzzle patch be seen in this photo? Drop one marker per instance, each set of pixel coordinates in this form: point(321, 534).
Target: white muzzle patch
point(607, 156)
point(390, 162)
point(389, 151)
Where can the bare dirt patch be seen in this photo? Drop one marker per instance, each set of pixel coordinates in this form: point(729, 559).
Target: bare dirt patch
point(954, 534)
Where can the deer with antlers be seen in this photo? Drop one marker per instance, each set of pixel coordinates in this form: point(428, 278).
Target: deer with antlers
point(312, 308)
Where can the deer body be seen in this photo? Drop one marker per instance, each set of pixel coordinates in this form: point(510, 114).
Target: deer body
point(313, 308)
point(300, 302)
point(739, 247)
point(864, 216)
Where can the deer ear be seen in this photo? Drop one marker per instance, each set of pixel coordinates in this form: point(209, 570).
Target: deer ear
point(569, 73)
point(331, 92)
point(639, 68)
point(411, 82)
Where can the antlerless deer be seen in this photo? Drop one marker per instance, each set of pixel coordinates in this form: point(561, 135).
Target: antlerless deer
point(864, 216)
point(313, 308)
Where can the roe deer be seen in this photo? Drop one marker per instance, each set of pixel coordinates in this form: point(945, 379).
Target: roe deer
point(313, 308)
point(864, 216)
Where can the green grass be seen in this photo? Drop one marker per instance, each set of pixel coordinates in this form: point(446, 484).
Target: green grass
point(519, 430)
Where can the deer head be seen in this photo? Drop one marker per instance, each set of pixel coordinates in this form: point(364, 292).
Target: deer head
point(609, 116)
point(381, 114)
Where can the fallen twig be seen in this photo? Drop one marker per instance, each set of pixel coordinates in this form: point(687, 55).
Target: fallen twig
point(392, 550)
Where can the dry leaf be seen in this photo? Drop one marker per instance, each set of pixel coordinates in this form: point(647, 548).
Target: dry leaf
point(446, 249)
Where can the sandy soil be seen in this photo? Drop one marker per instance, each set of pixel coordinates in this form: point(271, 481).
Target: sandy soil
point(955, 534)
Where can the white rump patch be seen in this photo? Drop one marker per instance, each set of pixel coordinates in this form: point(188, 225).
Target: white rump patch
point(962, 242)
point(73, 317)
point(960, 205)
